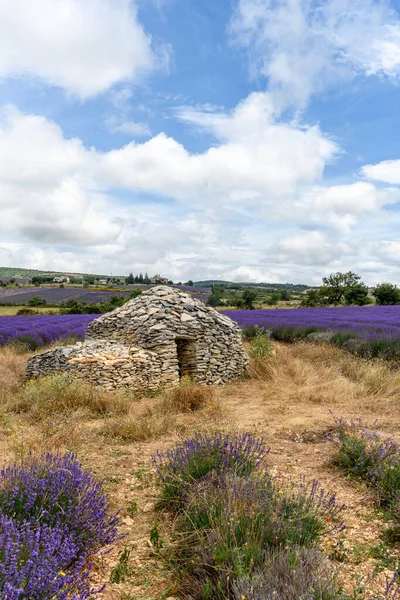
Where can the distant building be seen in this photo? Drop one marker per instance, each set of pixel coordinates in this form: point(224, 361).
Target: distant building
point(159, 280)
point(102, 281)
point(61, 279)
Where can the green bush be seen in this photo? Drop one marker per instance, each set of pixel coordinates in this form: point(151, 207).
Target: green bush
point(261, 345)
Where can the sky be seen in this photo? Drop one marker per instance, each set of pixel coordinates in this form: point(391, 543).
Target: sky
point(245, 140)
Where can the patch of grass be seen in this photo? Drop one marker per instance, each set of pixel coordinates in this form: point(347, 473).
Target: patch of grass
point(188, 397)
point(261, 346)
point(60, 394)
point(53, 434)
point(130, 428)
point(12, 373)
point(132, 508)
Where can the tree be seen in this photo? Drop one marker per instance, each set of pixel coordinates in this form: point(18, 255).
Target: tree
point(357, 294)
point(337, 285)
point(248, 299)
point(273, 299)
point(386, 294)
point(130, 278)
point(90, 279)
point(215, 298)
point(312, 298)
point(37, 301)
point(190, 282)
point(285, 295)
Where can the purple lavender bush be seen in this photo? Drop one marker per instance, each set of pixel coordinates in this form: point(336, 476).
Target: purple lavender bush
point(195, 458)
point(55, 491)
point(295, 573)
point(365, 454)
point(38, 562)
point(231, 515)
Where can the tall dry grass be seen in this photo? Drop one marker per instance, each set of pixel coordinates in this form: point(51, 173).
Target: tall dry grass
point(60, 394)
point(12, 372)
point(188, 397)
point(322, 374)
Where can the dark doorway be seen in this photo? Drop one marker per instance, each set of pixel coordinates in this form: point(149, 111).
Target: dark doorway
point(186, 352)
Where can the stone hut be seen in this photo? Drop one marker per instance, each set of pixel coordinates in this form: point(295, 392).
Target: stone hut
point(150, 343)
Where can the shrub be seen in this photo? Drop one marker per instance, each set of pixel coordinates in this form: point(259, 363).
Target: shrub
point(245, 516)
point(296, 573)
point(37, 301)
point(232, 518)
point(56, 492)
point(365, 454)
point(195, 458)
point(25, 343)
point(261, 346)
point(188, 397)
point(27, 311)
point(250, 332)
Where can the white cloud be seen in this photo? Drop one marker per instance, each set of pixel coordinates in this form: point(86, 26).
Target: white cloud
point(308, 248)
point(45, 188)
point(250, 207)
point(130, 128)
point(83, 46)
point(302, 46)
point(256, 159)
point(387, 171)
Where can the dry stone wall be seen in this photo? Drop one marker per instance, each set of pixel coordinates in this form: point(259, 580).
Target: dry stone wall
point(151, 342)
point(100, 362)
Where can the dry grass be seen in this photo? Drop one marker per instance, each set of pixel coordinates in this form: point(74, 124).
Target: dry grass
point(57, 434)
point(133, 428)
point(59, 394)
point(188, 397)
point(12, 372)
point(323, 374)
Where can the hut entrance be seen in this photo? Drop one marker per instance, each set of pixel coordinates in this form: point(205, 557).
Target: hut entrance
point(186, 353)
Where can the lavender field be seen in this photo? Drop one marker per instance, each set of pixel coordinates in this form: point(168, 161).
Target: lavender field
point(367, 322)
point(58, 296)
point(43, 329)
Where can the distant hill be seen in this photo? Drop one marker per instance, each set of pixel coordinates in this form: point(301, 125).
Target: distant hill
point(29, 273)
point(21, 273)
point(298, 287)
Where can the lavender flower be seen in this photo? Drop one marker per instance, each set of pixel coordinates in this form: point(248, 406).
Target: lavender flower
point(196, 458)
point(55, 491)
point(38, 562)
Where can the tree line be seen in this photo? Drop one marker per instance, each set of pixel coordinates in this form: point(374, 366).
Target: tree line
point(348, 289)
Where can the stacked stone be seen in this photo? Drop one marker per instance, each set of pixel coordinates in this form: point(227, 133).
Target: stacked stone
point(154, 340)
point(158, 318)
point(100, 362)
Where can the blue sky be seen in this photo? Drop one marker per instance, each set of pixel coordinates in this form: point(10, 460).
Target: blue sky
point(238, 139)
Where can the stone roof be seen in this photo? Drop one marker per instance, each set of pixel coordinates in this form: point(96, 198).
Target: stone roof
point(160, 311)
